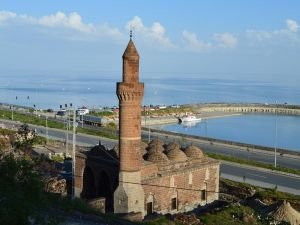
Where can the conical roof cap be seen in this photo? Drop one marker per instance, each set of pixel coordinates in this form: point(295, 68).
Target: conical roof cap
point(130, 50)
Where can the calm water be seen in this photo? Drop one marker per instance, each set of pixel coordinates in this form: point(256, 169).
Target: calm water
point(51, 91)
point(248, 128)
point(95, 91)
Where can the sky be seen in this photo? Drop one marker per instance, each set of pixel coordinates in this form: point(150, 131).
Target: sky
point(232, 39)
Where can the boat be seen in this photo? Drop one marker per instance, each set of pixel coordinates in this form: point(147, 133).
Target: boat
point(188, 118)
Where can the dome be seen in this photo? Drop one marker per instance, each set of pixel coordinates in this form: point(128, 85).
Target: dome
point(171, 146)
point(155, 148)
point(157, 157)
point(194, 152)
point(176, 155)
point(155, 142)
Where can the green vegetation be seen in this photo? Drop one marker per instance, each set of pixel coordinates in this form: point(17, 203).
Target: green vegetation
point(162, 220)
point(272, 193)
point(253, 163)
point(6, 132)
point(168, 111)
point(233, 215)
point(30, 119)
point(20, 191)
point(264, 193)
point(108, 133)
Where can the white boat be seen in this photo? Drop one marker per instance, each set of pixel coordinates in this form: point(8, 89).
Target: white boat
point(188, 118)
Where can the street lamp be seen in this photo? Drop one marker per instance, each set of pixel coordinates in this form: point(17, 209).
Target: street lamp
point(47, 130)
point(73, 153)
point(275, 142)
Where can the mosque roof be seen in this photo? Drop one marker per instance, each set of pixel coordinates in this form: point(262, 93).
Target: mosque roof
point(194, 152)
point(176, 155)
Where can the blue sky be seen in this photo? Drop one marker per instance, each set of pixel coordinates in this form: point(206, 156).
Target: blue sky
point(253, 40)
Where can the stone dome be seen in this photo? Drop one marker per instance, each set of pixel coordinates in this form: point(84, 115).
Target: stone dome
point(171, 146)
point(157, 157)
point(155, 142)
point(155, 148)
point(194, 152)
point(176, 155)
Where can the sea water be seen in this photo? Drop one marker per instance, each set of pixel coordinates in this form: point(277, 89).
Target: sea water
point(94, 91)
point(51, 91)
point(282, 131)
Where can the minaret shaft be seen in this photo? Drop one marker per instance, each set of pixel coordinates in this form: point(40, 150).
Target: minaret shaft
point(129, 196)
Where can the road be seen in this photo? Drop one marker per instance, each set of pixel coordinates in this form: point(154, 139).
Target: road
point(240, 152)
point(235, 172)
point(261, 178)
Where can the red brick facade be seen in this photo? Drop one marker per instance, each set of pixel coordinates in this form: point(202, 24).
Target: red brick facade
point(130, 93)
point(162, 177)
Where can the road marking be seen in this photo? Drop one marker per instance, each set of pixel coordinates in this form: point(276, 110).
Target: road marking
point(256, 175)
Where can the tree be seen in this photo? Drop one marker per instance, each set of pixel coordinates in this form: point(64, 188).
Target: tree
point(21, 191)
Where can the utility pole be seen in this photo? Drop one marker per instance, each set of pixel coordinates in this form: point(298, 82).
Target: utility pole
point(12, 112)
point(47, 137)
point(148, 129)
point(73, 154)
point(67, 130)
point(275, 144)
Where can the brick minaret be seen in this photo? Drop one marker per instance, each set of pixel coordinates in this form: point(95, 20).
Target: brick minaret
point(129, 196)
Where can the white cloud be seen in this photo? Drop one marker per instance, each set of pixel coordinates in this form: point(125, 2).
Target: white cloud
point(286, 35)
point(225, 40)
point(193, 43)
point(292, 25)
point(5, 15)
point(155, 33)
point(72, 21)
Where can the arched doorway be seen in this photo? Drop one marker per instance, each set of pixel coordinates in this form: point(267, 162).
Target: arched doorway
point(105, 190)
point(89, 188)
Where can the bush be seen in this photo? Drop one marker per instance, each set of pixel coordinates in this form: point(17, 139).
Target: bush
point(21, 194)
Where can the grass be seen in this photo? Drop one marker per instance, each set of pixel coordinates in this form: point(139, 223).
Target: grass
point(6, 131)
point(103, 133)
point(31, 119)
point(168, 111)
point(264, 193)
point(233, 215)
point(253, 163)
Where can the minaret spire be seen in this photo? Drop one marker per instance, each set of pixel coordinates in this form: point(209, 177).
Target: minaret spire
point(129, 196)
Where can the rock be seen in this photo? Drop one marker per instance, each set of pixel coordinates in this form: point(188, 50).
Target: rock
point(56, 185)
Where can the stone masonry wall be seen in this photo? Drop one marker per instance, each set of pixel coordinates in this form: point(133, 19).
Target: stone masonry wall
point(185, 186)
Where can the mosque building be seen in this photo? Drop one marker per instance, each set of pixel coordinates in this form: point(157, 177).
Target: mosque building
point(142, 178)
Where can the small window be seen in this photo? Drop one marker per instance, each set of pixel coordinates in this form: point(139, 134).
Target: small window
point(174, 203)
point(149, 208)
point(203, 195)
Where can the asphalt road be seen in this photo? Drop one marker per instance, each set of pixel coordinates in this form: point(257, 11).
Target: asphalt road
point(240, 152)
point(261, 178)
point(253, 176)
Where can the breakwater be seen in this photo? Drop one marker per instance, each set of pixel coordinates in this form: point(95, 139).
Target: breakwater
point(248, 108)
